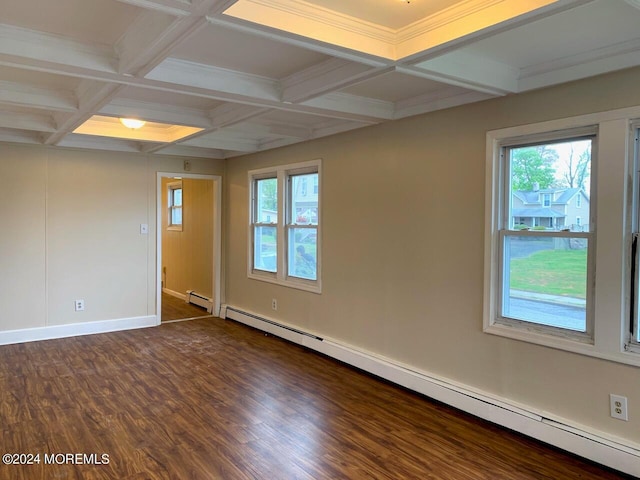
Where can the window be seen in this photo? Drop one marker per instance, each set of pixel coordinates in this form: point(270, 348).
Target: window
point(285, 225)
point(265, 221)
point(579, 200)
point(634, 323)
point(557, 276)
point(174, 195)
point(545, 269)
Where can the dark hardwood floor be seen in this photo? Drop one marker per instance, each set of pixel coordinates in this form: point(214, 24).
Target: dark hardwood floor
point(174, 308)
point(212, 399)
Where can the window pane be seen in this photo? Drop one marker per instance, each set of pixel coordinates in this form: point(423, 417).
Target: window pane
point(550, 186)
point(267, 201)
point(304, 208)
point(303, 253)
point(545, 280)
point(177, 197)
point(176, 216)
point(265, 253)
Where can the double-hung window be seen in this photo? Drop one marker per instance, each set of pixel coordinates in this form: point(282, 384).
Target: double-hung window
point(284, 243)
point(545, 251)
point(633, 334)
point(174, 195)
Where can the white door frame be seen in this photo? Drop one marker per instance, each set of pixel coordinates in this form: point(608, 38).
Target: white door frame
point(217, 237)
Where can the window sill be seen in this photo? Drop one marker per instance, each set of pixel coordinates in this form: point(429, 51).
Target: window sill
point(307, 286)
point(577, 345)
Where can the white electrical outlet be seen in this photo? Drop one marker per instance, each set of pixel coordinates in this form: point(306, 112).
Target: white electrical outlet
point(619, 407)
point(274, 304)
point(79, 305)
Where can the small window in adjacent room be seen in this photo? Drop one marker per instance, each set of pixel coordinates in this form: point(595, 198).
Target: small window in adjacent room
point(174, 191)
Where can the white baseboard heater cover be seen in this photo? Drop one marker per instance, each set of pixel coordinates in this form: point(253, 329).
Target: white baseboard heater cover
point(200, 300)
point(620, 456)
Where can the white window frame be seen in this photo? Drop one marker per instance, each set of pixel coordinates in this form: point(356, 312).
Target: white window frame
point(633, 326)
point(283, 173)
point(506, 230)
point(171, 187)
point(612, 196)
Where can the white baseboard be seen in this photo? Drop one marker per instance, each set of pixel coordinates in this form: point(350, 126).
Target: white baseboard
point(173, 293)
point(615, 453)
point(76, 329)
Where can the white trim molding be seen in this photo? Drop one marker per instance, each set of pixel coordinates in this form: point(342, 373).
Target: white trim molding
point(76, 329)
point(613, 452)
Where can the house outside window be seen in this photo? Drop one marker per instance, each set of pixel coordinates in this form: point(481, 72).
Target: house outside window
point(546, 261)
point(285, 225)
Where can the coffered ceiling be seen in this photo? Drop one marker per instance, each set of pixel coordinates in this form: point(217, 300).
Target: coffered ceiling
point(221, 78)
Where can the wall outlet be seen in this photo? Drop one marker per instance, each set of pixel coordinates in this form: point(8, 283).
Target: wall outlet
point(618, 406)
point(79, 305)
point(274, 304)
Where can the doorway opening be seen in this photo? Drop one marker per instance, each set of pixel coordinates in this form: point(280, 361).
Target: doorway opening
point(188, 246)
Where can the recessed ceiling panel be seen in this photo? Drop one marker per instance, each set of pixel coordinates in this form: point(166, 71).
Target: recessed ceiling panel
point(39, 79)
point(94, 21)
point(580, 30)
point(233, 50)
point(394, 87)
point(163, 97)
point(393, 14)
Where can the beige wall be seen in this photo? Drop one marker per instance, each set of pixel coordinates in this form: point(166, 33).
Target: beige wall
point(403, 232)
point(71, 230)
point(187, 255)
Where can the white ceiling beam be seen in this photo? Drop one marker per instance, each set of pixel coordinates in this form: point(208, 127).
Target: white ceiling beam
point(44, 49)
point(91, 142)
point(215, 79)
point(587, 64)
point(171, 7)
point(149, 33)
point(20, 136)
point(327, 76)
point(233, 113)
point(21, 95)
point(277, 129)
point(185, 151)
point(222, 143)
point(437, 101)
point(297, 41)
point(91, 97)
point(345, 103)
point(338, 127)
point(194, 79)
point(27, 121)
point(152, 112)
point(469, 71)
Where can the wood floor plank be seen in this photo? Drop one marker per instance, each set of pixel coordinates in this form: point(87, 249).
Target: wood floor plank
point(212, 399)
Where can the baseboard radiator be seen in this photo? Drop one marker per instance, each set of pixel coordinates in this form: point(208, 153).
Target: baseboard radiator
point(200, 300)
point(268, 325)
point(612, 452)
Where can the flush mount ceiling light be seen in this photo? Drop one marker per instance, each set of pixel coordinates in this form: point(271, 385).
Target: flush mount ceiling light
point(132, 123)
point(115, 127)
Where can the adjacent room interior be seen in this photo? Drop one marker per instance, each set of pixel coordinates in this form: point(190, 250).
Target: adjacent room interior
point(320, 239)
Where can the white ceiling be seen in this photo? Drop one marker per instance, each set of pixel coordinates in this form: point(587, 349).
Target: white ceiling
point(251, 85)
